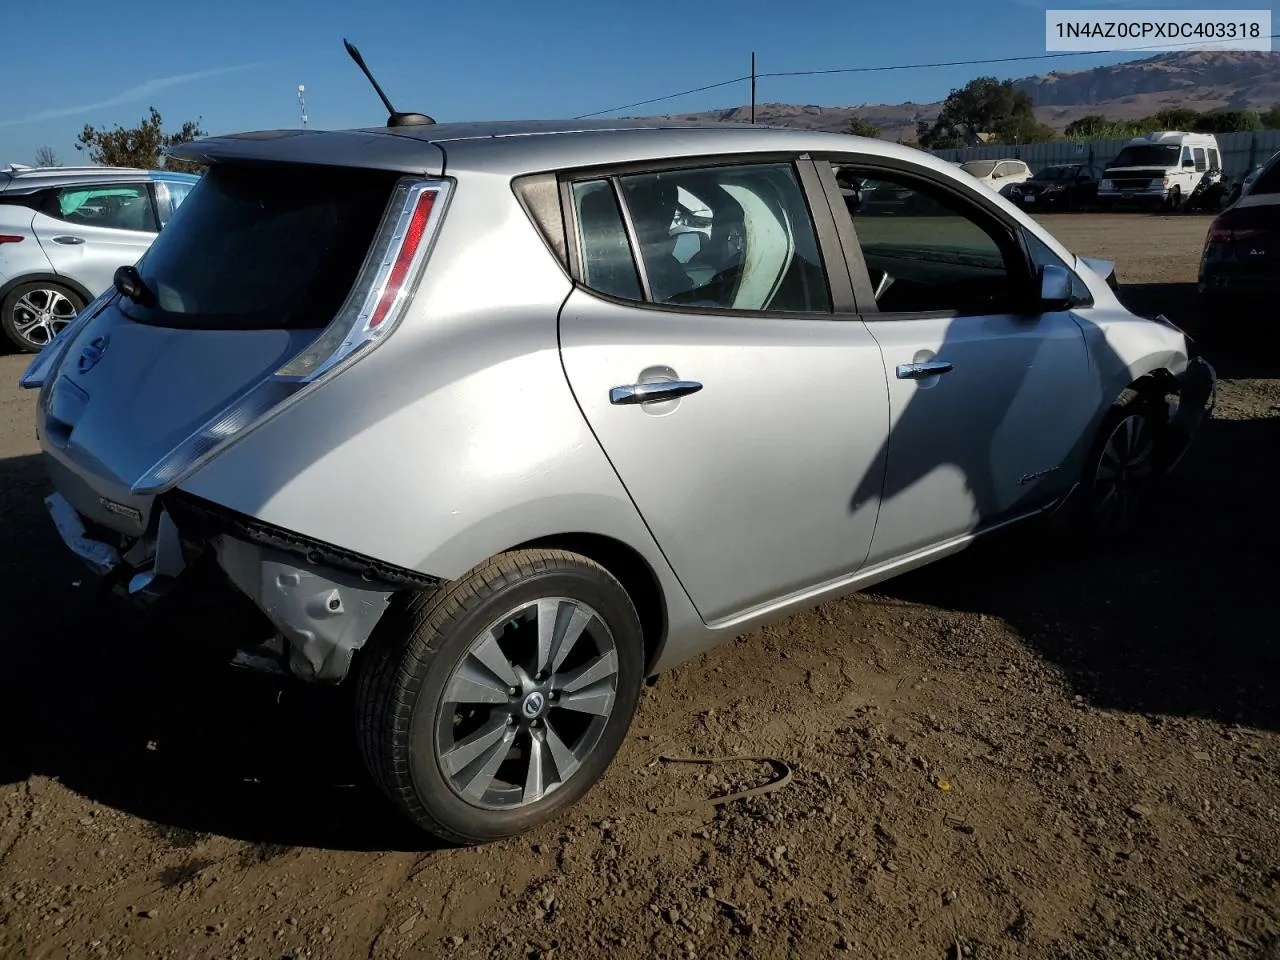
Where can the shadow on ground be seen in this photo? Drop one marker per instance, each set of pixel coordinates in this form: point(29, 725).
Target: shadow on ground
point(1180, 621)
point(144, 714)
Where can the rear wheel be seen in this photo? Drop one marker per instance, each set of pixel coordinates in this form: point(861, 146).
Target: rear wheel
point(488, 707)
point(34, 313)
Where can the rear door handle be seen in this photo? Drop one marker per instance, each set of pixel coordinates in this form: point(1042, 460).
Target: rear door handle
point(918, 371)
point(654, 391)
point(68, 240)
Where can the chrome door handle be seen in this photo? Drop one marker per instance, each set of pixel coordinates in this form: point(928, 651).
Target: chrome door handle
point(918, 371)
point(68, 240)
point(654, 391)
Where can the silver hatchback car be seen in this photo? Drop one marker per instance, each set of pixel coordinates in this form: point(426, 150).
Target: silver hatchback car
point(64, 230)
point(496, 420)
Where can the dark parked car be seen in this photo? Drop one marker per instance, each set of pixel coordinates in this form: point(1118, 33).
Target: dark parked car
point(1067, 186)
point(1242, 250)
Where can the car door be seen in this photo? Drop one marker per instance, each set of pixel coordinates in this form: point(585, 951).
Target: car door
point(89, 230)
point(725, 375)
point(988, 396)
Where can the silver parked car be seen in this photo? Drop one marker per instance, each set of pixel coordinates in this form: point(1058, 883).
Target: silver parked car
point(64, 231)
point(496, 420)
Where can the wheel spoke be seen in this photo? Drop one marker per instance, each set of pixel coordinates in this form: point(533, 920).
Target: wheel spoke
point(594, 700)
point(465, 752)
point(560, 625)
point(473, 685)
point(533, 782)
point(479, 776)
point(490, 654)
point(566, 763)
point(589, 673)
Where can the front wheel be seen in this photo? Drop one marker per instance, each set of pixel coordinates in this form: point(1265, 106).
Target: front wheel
point(1123, 469)
point(489, 706)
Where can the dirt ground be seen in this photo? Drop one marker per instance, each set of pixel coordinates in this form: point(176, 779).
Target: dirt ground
point(1018, 752)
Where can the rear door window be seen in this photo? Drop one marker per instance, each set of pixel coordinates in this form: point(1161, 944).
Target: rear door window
point(258, 247)
point(124, 206)
point(734, 237)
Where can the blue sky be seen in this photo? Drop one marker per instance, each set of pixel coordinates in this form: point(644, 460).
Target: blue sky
point(237, 64)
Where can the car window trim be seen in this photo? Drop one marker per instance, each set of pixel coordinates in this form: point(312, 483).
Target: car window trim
point(965, 194)
point(613, 172)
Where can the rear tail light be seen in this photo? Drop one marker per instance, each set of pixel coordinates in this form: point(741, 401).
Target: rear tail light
point(10, 238)
point(370, 313)
point(1221, 233)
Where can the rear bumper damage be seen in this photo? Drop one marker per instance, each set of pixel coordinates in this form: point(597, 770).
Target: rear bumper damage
point(323, 602)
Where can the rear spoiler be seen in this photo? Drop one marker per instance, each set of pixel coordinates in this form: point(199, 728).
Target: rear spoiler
point(363, 149)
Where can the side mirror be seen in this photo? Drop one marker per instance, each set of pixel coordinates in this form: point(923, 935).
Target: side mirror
point(1188, 163)
point(1055, 288)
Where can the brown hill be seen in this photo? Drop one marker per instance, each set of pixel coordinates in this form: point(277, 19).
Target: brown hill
point(1200, 80)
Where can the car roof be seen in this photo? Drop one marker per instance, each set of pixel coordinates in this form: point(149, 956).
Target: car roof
point(531, 146)
point(18, 177)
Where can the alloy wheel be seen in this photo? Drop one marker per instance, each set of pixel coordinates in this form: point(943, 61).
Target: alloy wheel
point(40, 315)
point(1125, 471)
point(526, 704)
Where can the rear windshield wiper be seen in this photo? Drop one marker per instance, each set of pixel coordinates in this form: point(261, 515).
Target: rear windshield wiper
point(129, 282)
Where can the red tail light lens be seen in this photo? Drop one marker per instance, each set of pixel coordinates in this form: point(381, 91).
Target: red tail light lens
point(408, 249)
point(1220, 233)
point(9, 238)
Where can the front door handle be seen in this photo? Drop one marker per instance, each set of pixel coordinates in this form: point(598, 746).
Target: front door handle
point(654, 391)
point(919, 371)
point(68, 240)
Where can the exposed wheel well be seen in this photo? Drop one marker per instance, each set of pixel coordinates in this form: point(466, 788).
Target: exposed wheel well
point(51, 278)
point(632, 571)
point(1155, 386)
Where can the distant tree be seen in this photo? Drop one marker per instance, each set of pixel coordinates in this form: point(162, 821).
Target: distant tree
point(984, 105)
point(141, 146)
point(1096, 127)
point(1176, 118)
point(1270, 119)
point(1086, 128)
point(45, 157)
point(1228, 121)
point(860, 128)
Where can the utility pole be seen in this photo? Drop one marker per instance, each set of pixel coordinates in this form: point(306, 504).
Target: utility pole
point(302, 103)
point(753, 86)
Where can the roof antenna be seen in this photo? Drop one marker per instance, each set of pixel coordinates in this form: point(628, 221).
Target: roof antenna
point(395, 118)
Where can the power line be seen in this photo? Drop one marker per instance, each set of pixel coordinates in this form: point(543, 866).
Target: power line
point(670, 96)
point(898, 66)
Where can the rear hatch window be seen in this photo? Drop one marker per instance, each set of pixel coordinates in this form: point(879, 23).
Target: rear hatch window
point(262, 247)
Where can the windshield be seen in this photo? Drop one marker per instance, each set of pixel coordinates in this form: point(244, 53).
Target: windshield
point(978, 168)
point(1155, 155)
point(1057, 173)
point(256, 248)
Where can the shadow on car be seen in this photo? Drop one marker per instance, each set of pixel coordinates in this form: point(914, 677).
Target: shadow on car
point(141, 712)
point(1173, 622)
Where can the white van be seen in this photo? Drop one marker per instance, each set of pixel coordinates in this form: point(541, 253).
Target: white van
point(1161, 169)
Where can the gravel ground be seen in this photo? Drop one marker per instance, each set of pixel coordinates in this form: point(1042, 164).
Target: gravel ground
point(1013, 753)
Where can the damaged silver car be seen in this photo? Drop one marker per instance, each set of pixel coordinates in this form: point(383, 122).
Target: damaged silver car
point(496, 420)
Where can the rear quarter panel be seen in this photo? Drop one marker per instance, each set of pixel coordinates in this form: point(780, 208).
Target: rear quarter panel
point(458, 437)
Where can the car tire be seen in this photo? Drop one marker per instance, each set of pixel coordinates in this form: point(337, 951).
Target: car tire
point(1123, 469)
point(454, 765)
point(33, 313)
point(1175, 199)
